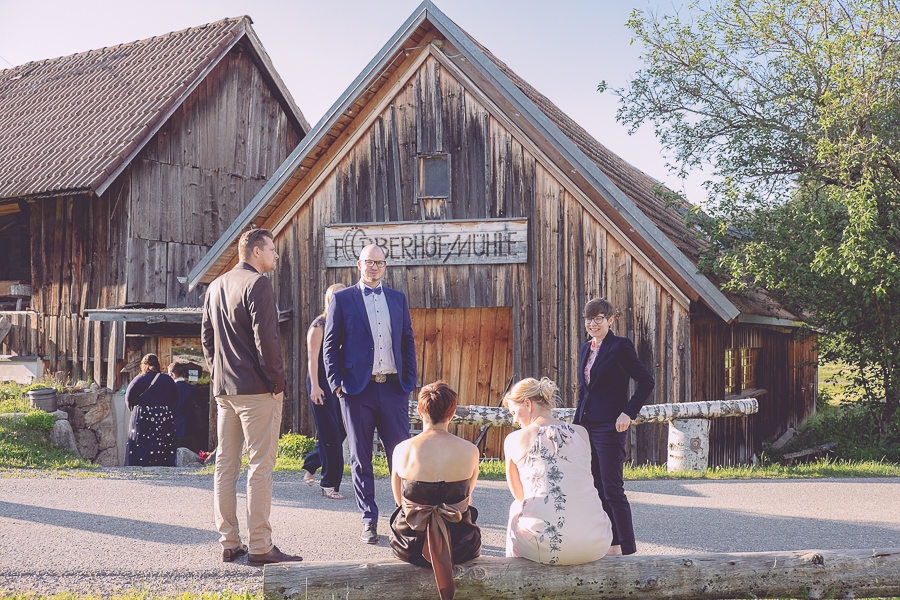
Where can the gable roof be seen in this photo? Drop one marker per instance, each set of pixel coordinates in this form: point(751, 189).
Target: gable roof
point(594, 166)
point(72, 124)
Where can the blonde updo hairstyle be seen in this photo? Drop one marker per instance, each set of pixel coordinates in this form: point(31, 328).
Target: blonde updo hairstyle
point(543, 393)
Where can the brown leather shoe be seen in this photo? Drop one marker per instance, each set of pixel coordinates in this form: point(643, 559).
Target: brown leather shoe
point(229, 554)
point(272, 556)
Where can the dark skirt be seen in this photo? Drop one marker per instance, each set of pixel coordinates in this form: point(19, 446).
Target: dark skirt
point(465, 536)
point(151, 437)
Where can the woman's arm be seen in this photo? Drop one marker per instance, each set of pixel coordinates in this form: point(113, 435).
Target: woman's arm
point(399, 462)
point(474, 479)
point(313, 348)
point(131, 397)
point(513, 480)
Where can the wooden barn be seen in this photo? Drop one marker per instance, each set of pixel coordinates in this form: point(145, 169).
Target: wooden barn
point(119, 169)
point(501, 217)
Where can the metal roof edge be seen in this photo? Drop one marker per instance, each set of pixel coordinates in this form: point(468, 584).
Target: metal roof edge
point(276, 182)
point(716, 300)
point(763, 320)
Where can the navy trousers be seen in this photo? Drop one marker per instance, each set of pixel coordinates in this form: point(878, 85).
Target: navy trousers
point(328, 452)
point(382, 405)
point(607, 465)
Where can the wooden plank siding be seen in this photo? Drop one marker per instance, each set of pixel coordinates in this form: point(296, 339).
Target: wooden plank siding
point(494, 174)
point(155, 221)
point(784, 367)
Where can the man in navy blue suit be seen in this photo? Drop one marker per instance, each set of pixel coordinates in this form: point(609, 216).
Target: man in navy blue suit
point(370, 360)
point(607, 362)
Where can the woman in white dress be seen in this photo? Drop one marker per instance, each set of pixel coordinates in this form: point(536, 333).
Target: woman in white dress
point(557, 517)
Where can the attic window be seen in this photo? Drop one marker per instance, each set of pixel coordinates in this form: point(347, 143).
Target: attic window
point(434, 176)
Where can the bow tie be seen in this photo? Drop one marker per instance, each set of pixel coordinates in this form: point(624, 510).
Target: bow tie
point(368, 291)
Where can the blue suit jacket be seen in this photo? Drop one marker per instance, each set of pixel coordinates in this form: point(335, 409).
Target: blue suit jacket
point(606, 397)
point(349, 349)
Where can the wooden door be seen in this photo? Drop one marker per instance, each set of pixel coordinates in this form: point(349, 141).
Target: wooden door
point(471, 350)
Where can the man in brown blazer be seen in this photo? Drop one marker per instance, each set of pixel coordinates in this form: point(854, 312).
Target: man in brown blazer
point(240, 343)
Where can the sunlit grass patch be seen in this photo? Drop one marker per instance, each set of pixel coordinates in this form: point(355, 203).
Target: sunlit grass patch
point(821, 468)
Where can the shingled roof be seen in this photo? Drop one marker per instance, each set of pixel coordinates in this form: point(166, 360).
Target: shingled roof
point(70, 124)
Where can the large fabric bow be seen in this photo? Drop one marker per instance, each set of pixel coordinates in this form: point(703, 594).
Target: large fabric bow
point(433, 521)
point(368, 291)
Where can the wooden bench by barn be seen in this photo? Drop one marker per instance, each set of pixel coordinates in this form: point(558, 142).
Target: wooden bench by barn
point(794, 574)
point(688, 424)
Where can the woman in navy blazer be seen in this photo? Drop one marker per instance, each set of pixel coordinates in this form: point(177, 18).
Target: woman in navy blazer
point(606, 363)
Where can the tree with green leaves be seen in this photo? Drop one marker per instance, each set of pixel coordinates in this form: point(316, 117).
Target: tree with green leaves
point(795, 107)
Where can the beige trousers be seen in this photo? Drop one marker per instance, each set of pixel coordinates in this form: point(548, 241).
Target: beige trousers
point(256, 420)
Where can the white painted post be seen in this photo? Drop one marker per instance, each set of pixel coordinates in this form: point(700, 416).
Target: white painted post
point(688, 445)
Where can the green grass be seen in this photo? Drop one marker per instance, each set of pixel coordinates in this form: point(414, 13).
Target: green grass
point(24, 446)
point(495, 470)
point(835, 383)
point(824, 467)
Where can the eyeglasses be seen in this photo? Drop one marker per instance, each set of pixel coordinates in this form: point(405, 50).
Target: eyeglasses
point(375, 263)
point(595, 320)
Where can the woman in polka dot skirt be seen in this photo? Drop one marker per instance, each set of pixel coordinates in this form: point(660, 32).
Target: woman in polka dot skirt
point(151, 396)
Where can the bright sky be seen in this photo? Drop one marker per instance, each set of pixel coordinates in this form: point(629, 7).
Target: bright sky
point(564, 48)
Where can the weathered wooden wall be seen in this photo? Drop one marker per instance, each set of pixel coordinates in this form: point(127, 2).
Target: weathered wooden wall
point(157, 219)
point(573, 257)
point(785, 368)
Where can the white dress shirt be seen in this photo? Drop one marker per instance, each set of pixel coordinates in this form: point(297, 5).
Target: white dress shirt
point(380, 322)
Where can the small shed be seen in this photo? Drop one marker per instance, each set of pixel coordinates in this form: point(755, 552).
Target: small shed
point(501, 216)
point(119, 169)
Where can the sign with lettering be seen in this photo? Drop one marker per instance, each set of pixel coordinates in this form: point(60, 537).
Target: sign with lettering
point(431, 242)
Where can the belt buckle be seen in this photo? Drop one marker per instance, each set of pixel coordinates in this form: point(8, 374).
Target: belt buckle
point(380, 378)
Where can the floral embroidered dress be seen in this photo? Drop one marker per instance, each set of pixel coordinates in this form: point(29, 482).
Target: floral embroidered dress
point(561, 520)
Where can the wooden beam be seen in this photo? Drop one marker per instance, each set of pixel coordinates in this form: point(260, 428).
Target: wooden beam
point(792, 574)
point(15, 289)
point(182, 315)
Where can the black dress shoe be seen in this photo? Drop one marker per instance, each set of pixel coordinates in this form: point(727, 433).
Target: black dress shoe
point(369, 533)
point(229, 554)
point(272, 556)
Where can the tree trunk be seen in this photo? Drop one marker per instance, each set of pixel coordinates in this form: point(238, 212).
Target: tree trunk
point(803, 573)
point(494, 416)
point(688, 445)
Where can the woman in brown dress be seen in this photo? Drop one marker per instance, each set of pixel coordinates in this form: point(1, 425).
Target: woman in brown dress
point(434, 475)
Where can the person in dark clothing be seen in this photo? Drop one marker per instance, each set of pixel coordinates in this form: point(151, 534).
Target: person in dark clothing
point(606, 363)
point(328, 452)
point(185, 417)
point(151, 432)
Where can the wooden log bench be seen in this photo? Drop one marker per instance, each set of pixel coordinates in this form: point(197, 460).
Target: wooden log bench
point(688, 424)
point(794, 574)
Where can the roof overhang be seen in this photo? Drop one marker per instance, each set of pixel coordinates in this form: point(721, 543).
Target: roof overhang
point(146, 315)
point(772, 321)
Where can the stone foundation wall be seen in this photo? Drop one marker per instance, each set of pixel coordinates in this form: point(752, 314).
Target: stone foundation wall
point(93, 420)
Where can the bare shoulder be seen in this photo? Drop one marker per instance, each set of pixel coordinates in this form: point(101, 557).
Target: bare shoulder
point(517, 443)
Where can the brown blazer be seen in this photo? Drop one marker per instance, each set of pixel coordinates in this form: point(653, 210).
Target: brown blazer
point(240, 334)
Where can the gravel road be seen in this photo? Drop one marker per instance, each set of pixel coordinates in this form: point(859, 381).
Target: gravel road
point(153, 528)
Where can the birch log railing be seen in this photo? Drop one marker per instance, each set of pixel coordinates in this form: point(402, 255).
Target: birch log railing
point(688, 424)
point(794, 574)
